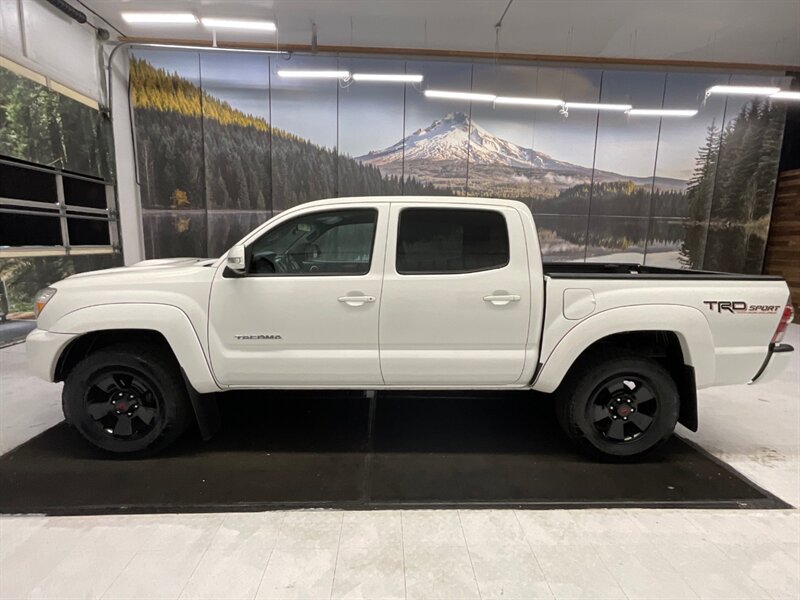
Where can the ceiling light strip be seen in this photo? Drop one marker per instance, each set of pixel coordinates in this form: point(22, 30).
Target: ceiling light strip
point(519, 101)
point(450, 95)
point(662, 112)
point(597, 106)
point(249, 24)
point(785, 95)
point(387, 77)
point(154, 18)
point(742, 90)
point(314, 74)
point(207, 48)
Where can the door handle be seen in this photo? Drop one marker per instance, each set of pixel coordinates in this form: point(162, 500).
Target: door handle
point(501, 299)
point(356, 300)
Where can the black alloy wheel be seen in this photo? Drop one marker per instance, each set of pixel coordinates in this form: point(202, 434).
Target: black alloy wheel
point(123, 403)
point(615, 405)
point(129, 399)
point(623, 408)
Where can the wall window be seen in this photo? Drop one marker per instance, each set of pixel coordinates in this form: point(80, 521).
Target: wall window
point(337, 242)
point(45, 212)
point(447, 240)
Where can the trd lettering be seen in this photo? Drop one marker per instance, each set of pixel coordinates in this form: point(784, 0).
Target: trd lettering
point(738, 307)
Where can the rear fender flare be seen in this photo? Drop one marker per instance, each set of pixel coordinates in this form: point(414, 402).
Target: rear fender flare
point(688, 324)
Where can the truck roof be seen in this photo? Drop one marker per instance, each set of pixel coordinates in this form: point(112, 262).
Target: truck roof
point(412, 199)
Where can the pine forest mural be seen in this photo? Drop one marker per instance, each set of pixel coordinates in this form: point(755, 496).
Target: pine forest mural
point(223, 142)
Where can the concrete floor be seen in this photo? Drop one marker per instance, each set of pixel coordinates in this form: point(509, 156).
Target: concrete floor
point(428, 554)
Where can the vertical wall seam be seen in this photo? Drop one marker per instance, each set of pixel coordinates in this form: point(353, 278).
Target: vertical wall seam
point(655, 170)
point(594, 163)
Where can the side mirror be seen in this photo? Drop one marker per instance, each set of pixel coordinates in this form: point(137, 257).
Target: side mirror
point(235, 260)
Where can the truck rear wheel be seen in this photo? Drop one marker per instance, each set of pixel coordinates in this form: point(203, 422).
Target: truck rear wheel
point(618, 405)
point(127, 399)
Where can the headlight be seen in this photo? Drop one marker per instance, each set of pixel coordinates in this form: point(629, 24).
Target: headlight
point(42, 298)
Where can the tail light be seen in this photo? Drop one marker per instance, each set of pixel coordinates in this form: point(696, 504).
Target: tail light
point(783, 325)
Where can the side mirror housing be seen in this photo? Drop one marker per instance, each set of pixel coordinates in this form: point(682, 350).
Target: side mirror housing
point(236, 261)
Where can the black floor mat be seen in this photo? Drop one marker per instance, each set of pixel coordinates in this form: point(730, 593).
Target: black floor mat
point(282, 450)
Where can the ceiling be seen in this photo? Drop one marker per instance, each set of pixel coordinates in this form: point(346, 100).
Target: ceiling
point(743, 31)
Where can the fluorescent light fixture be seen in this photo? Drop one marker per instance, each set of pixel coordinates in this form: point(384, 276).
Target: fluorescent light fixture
point(597, 106)
point(662, 112)
point(158, 17)
point(786, 95)
point(210, 48)
point(460, 95)
point(742, 90)
point(215, 23)
point(314, 74)
point(387, 77)
point(528, 101)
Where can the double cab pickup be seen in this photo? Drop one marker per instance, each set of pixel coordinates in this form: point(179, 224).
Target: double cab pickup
point(409, 293)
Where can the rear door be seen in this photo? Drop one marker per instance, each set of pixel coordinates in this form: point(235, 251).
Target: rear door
point(456, 303)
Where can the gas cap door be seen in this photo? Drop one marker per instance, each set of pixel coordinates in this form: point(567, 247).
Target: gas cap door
point(578, 303)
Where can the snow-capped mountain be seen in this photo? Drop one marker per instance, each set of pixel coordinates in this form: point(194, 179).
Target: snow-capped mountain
point(445, 142)
point(448, 139)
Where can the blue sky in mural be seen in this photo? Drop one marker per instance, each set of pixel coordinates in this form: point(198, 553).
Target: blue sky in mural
point(305, 107)
point(372, 116)
point(240, 79)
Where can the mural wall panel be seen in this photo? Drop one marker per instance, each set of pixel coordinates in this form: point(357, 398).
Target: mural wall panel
point(692, 192)
point(304, 115)
point(371, 118)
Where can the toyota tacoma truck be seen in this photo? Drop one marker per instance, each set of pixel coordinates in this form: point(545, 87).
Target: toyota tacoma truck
point(404, 293)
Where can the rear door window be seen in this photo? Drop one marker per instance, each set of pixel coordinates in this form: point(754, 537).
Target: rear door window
point(451, 240)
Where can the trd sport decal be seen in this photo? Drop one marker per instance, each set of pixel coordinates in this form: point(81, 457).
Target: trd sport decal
point(739, 307)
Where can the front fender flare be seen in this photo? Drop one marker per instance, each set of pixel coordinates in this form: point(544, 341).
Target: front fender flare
point(170, 321)
point(688, 324)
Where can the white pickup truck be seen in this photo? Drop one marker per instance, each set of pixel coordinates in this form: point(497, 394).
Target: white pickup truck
point(402, 293)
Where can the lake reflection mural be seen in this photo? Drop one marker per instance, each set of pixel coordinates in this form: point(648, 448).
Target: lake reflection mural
point(224, 142)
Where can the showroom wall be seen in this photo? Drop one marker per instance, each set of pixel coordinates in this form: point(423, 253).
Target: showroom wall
point(223, 142)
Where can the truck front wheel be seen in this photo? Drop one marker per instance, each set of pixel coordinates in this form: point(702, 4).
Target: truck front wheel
point(128, 399)
point(618, 405)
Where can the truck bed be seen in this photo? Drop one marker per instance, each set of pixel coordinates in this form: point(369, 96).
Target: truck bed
point(570, 270)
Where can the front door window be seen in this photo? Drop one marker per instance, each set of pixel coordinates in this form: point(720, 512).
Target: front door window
point(336, 242)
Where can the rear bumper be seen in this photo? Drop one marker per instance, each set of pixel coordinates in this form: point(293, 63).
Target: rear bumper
point(778, 358)
point(43, 349)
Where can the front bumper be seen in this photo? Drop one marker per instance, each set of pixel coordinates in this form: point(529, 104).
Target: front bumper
point(43, 349)
point(778, 358)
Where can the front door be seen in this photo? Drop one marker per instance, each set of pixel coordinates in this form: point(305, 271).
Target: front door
point(306, 312)
point(456, 296)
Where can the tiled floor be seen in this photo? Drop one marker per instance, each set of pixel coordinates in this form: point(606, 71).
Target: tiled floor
point(503, 554)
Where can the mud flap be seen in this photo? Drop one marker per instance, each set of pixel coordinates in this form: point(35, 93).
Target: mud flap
point(687, 389)
point(206, 410)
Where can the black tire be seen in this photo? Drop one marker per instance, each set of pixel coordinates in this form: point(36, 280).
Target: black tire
point(597, 405)
point(141, 379)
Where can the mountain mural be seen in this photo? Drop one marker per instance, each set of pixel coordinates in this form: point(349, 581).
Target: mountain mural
point(437, 153)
